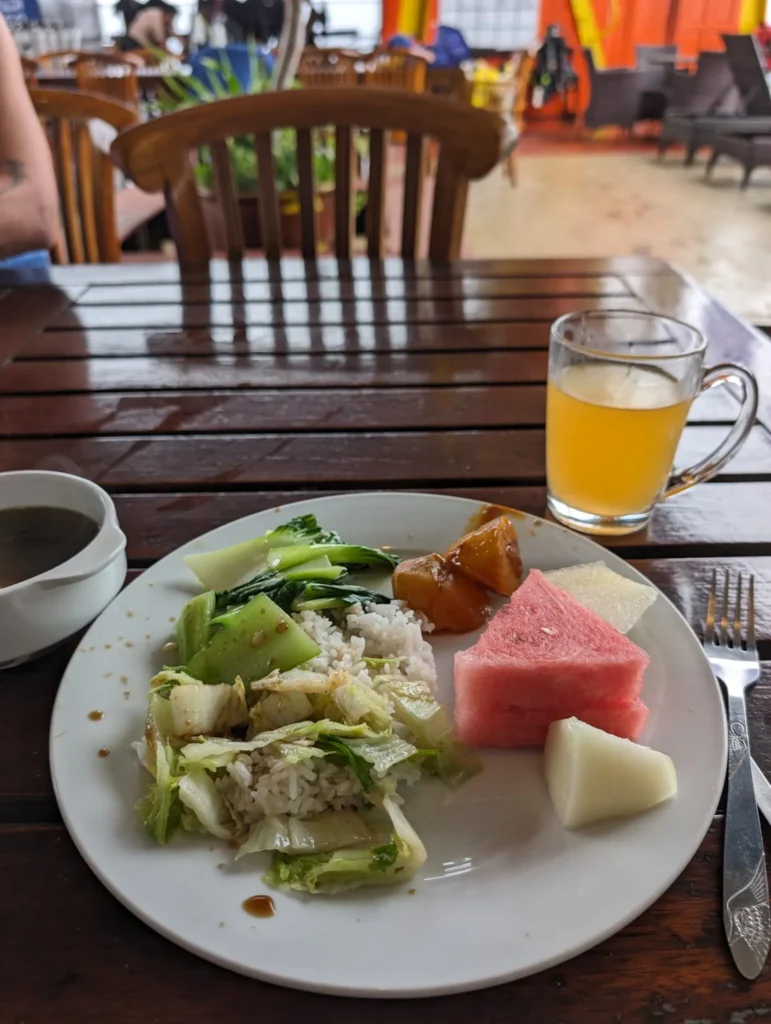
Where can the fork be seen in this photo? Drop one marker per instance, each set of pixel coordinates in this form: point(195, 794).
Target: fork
point(733, 657)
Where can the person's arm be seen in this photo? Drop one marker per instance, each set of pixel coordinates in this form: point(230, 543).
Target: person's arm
point(29, 205)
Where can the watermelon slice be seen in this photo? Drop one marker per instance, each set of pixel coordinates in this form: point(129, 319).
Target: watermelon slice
point(544, 657)
point(526, 727)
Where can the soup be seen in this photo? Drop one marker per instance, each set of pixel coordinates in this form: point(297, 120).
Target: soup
point(38, 538)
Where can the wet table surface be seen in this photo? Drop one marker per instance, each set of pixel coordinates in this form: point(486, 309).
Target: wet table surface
point(195, 400)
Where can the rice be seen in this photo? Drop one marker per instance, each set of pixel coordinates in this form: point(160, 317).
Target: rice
point(375, 631)
point(393, 630)
point(262, 783)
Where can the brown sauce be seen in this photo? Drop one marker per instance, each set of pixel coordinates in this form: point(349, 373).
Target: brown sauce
point(487, 513)
point(96, 716)
point(37, 538)
point(104, 752)
point(259, 906)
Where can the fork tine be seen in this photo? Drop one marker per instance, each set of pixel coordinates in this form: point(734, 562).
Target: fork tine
point(709, 622)
point(751, 616)
point(737, 633)
point(724, 611)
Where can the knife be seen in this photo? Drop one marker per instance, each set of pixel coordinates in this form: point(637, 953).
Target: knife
point(762, 792)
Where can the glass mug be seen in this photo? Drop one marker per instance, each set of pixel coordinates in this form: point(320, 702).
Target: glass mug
point(619, 390)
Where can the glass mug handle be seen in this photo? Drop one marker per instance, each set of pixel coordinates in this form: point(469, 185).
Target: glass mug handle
point(715, 376)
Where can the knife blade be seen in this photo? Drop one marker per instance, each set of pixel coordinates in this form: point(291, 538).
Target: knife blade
point(762, 792)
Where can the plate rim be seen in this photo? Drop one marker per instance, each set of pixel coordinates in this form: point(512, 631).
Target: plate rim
point(423, 992)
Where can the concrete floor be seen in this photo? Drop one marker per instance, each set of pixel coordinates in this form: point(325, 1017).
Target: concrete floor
point(606, 204)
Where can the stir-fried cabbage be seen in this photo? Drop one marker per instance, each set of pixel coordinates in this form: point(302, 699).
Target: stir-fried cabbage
point(386, 863)
point(199, 794)
point(160, 809)
point(415, 707)
point(320, 833)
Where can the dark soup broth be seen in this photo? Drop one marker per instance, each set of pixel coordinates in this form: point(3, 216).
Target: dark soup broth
point(38, 538)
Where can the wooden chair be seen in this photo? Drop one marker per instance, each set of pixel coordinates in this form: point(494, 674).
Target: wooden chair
point(85, 175)
point(395, 69)
point(323, 68)
point(156, 155)
point(30, 69)
point(64, 58)
point(115, 78)
point(448, 82)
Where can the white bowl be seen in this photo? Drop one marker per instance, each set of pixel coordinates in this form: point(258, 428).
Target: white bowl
point(40, 612)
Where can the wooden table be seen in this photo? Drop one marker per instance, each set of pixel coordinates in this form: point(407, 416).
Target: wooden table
point(198, 401)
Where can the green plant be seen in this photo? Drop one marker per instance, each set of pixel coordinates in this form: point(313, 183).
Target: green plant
point(223, 83)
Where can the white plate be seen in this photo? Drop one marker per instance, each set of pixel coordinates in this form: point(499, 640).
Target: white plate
point(505, 891)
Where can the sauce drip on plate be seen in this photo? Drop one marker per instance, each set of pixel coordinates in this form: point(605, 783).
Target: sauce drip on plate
point(96, 716)
point(487, 513)
point(259, 906)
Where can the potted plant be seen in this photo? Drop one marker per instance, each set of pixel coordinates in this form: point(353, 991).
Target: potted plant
point(222, 83)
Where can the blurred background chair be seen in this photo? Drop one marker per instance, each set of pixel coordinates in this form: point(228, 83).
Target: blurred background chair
point(84, 172)
point(325, 68)
point(448, 82)
point(114, 78)
point(395, 69)
point(656, 65)
point(615, 96)
point(750, 151)
point(745, 110)
point(30, 69)
point(156, 155)
point(710, 91)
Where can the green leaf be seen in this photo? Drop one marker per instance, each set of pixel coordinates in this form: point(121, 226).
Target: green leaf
point(384, 857)
point(342, 754)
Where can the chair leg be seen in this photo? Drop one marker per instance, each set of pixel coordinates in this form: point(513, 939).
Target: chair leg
point(748, 169)
point(690, 154)
point(710, 164)
point(662, 148)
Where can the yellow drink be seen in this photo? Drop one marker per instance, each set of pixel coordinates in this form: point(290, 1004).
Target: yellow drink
point(612, 430)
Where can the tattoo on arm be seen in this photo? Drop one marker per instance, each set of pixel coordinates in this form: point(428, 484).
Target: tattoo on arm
point(15, 171)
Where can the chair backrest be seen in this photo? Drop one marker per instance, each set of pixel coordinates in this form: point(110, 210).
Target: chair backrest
point(449, 82)
point(61, 58)
point(156, 156)
point(323, 68)
point(84, 173)
point(645, 56)
point(30, 69)
point(115, 78)
point(747, 64)
point(395, 69)
point(713, 86)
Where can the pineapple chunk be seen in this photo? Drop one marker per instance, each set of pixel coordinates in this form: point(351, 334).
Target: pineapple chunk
point(619, 601)
point(592, 775)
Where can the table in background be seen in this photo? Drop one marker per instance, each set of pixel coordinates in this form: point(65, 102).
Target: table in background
point(195, 401)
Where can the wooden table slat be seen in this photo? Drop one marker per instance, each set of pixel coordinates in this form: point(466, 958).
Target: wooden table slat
point(696, 522)
point(341, 289)
point(363, 311)
point(212, 461)
point(232, 411)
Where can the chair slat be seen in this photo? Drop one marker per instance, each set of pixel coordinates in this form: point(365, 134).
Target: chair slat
point(67, 190)
point(269, 212)
point(109, 243)
point(84, 150)
point(413, 196)
point(184, 210)
point(376, 195)
point(343, 191)
point(226, 195)
point(307, 193)
point(450, 191)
